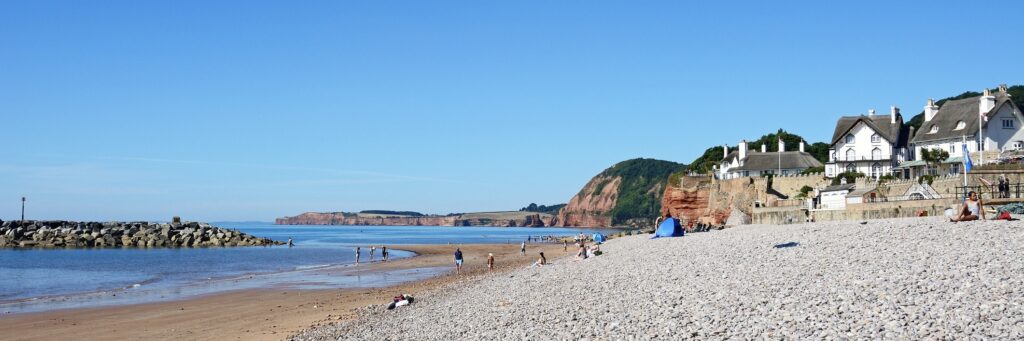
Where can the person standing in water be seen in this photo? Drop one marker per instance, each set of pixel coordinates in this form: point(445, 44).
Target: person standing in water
point(290, 243)
point(490, 261)
point(458, 261)
point(372, 250)
point(357, 255)
point(384, 253)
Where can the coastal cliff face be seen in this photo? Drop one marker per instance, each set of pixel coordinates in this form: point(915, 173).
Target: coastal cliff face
point(699, 199)
point(626, 194)
point(729, 202)
point(500, 219)
point(593, 203)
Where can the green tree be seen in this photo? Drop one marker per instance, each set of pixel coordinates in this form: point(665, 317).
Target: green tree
point(849, 176)
point(933, 158)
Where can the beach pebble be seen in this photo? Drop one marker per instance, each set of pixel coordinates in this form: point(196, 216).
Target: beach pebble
point(917, 278)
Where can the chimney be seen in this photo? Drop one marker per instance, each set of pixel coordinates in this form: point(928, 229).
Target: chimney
point(725, 151)
point(764, 147)
point(871, 112)
point(743, 149)
point(1002, 89)
point(987, 102)
point(893, 112)
point(801, 146)
point(782, 146)
point(930, 110)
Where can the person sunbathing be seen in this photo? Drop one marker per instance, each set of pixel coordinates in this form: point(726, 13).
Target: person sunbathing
point(542, 261)
point(971, 210)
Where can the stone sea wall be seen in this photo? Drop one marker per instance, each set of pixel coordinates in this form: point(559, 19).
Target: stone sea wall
point(71, 234)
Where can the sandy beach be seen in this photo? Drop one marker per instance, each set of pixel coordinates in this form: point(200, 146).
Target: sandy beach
point(265, 314)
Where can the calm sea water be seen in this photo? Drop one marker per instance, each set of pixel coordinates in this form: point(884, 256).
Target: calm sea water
point(34, 280)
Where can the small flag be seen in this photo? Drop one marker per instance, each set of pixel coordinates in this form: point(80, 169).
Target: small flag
point(967, 159)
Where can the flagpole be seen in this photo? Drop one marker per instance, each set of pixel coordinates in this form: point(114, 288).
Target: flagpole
point(964, 160)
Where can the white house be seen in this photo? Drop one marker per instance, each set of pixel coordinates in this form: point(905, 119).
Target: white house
point(946, 128)
point(871, 144)
point(744, 163)
point(834, 197)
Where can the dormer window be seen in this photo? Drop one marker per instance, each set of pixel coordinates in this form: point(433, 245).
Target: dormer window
point(960, 125)
point(875, 138)
point(849, 138)
point(934, 129)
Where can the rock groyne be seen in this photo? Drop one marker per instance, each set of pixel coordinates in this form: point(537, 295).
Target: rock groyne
point(71, 234)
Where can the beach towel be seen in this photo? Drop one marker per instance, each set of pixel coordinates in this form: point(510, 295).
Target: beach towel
point(669, 228)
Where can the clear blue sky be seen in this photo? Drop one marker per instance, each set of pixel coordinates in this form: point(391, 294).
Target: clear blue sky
point(252, 110)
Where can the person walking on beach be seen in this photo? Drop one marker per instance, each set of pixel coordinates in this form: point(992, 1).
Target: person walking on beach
point(384, 253)
point(357, 255)
point(522, 249)
point(490, 261)
point(290, 242)
point(372, 250)
point(565, 245)
point(971, 210)
point(458, 261)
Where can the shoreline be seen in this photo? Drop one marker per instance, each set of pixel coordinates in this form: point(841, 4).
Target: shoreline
point(267, 313)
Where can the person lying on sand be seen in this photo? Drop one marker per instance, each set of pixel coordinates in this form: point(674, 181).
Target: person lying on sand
point(971, 210)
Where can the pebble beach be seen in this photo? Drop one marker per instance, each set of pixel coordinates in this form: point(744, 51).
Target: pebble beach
point(915, 278)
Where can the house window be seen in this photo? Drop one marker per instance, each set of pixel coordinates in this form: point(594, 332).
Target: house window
point(876, 154)
point(849, 138)
point(875, 138)
point(934, 129)
point(851, 168)
point(785, 172)
point(850, 155)
point(1008, 123)
point(960, 125)
point(952, 148)
point(876, 170)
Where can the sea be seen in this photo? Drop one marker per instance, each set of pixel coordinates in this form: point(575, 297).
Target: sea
point(34, 280)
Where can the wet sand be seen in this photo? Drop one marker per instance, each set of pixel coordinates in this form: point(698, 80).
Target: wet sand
point(262, 314)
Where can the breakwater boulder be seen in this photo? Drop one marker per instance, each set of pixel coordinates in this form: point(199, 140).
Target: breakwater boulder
point(72, 234)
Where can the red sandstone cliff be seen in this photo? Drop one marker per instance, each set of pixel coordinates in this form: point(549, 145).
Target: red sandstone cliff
point(590, 207)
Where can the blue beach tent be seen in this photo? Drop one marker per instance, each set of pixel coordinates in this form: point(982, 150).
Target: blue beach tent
point(669, 228)
point(599, 238)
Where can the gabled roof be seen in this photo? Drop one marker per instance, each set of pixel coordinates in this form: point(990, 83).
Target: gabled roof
point(770, 160)
point(731, 156)
point(952, 112)
point(881, 124)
